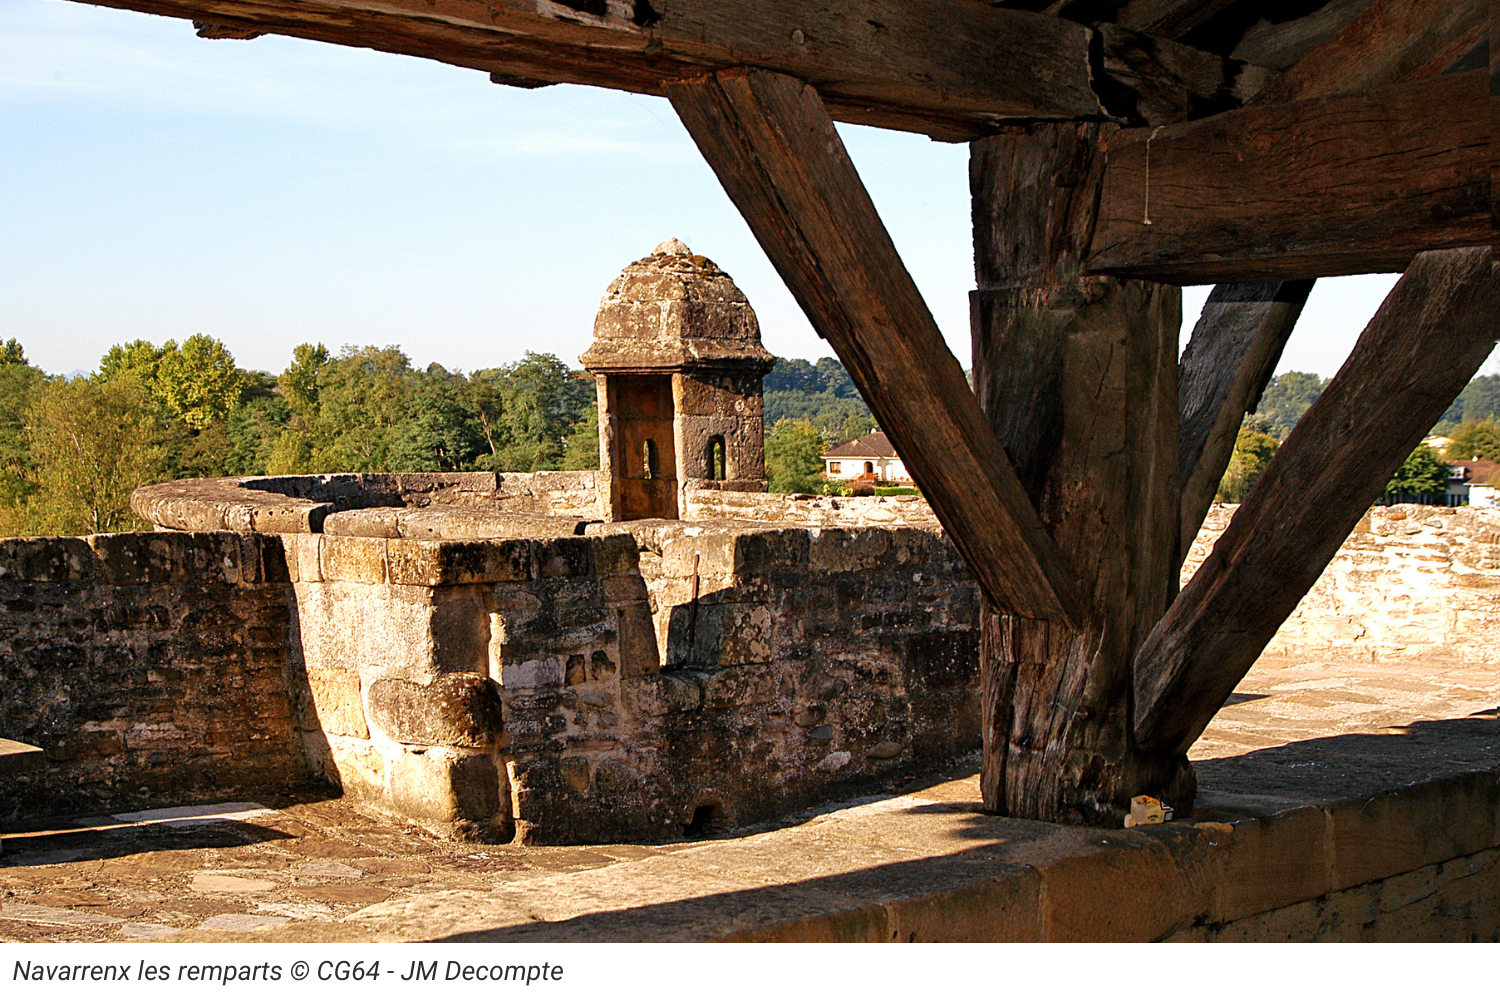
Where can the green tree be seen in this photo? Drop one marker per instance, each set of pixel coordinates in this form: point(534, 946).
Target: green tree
point(299, 383)
point(360, 399)
point(1252, 453)
point(291, 454)
point(252, 427)
point(1286, 398)
point(540, 404)
point(92, 442)
point(821, 393)
point(1474, 439)
point(138, 359)
point(855, 426)
point(198, 382)
point(20, 384)
point(1423, 472)
point(582, 449)
point(1480, 400)
point(441, 430)
point(794, 462)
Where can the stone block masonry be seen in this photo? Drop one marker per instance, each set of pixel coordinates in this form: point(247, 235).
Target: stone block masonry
point(151, 668)
point(798, 671)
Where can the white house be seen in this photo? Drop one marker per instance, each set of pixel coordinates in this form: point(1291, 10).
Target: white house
point(870, 458)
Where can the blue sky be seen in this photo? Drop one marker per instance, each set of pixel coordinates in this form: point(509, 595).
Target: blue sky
point(275, 191)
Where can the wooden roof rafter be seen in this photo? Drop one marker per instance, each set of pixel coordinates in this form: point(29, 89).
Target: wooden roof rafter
point(889, 63)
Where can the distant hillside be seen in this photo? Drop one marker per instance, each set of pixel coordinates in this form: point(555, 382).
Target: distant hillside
point(1480, 400)
point(820, 392)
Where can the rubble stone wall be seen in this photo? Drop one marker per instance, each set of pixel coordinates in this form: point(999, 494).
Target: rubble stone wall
point(1411, 581)
point(151, 668)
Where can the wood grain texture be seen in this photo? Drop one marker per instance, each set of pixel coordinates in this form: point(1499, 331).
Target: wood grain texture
point(1493, 45)
point(1225, 368)
point(1143, 79)
point(774, 148)
point(912, 66)
point(1279, 43)
point(1425, 343)
point(1168, 18)
point(1337, 185)
point(1078, 378)
point(1079, 382)
point(1391, 41)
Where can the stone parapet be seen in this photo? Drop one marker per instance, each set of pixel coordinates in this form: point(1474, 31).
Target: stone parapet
point(392, 505)
point(1410, 581)
point(1393, 838)
point(150, 669)
point(797, 670)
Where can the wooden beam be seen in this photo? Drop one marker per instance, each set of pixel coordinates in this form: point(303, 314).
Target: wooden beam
point(1078, 377)
point(951, 69)
point(1168, 18)
point(1337, 185)
point(1391, 41)
point(775, 150)
point(1429, 337)
point(1148, 80)
point(1228, 361)
point(1279, 44)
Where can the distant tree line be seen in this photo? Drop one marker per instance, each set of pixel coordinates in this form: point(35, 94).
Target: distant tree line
point(72, 450)
point(810, 406)
point(820, 393)
point(1472, 422)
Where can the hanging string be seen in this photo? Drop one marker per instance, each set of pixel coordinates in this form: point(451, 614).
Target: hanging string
point(1146, 209)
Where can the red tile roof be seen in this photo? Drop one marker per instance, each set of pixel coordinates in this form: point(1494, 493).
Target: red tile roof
point(873, 445)
point(1478, 470)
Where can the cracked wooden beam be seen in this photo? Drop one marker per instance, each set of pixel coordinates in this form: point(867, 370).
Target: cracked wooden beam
point(1391, 41)
point(1337, 185)
point(890, 63)
point(910, 66)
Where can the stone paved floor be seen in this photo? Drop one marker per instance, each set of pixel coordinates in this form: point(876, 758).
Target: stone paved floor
point(318, 862)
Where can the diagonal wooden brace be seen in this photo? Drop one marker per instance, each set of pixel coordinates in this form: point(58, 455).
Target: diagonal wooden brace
point(1429, 337)
point(774, 148)
point(1226, 366)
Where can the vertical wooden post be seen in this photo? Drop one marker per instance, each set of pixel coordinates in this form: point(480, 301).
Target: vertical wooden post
point(1079, 379)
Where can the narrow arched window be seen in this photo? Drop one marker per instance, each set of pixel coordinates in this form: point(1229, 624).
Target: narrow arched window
point(648, 458)
point(714, 458)
point(869, 467)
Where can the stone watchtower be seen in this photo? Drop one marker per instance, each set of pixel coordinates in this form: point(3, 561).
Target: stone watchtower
point(678, 362)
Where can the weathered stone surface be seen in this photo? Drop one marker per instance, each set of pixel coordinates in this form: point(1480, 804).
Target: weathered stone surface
point(673, 310)
point(353, 560)
point(440, 788)
point(336, 701)
point(1410, 582)
point(149, 668)
point(1272, 860)
point(457, 710)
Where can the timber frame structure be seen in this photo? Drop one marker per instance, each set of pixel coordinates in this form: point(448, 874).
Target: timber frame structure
point(1120, 149)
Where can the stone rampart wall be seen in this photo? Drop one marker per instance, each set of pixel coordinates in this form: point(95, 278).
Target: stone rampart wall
point(811, 661)
point(149, 667)
point(1411, 581)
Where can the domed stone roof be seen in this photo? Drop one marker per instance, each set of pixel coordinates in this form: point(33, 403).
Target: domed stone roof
point(675, 310)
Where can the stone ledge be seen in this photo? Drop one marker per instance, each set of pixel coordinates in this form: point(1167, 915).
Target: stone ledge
point(382, 505)
point(927, 866)
point(132, 559)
